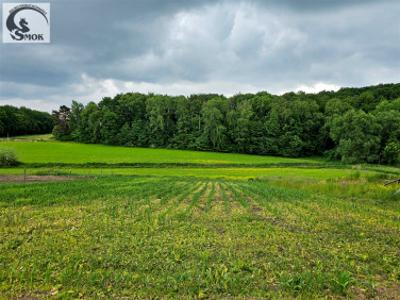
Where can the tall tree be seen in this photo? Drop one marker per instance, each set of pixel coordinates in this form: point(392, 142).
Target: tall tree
point(214, 130)
point(61, 118)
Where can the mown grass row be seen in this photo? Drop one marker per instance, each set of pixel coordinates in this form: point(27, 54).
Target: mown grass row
point(119, 236)
point(294, 174)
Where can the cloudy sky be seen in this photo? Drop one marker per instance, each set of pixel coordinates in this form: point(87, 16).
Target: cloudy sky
point(103, 47)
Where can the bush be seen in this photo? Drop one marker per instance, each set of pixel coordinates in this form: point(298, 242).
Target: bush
point(8, 158)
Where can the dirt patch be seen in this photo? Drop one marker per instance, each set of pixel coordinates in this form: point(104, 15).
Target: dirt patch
point(388, 292)
point(33, 178)
point(392, 291)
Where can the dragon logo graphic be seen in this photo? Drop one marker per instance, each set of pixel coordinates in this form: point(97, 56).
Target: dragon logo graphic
point(20, 32)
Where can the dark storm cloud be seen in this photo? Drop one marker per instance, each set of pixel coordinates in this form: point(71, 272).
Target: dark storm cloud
point(101, 47)
point(85, 34)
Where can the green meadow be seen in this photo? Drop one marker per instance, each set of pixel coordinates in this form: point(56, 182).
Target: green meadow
point(44, 152)
point(102, 222)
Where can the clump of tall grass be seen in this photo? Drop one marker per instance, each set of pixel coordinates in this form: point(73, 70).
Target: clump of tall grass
point(8, 157)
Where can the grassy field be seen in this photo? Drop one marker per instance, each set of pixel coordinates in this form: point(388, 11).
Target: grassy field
point(205, 232)
point(74, 153)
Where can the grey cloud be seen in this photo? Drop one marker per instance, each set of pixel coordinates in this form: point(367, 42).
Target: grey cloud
point(266, 45)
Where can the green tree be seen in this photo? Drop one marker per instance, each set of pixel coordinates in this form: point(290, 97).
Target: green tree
point(240, 126)
point(75, 120)
point(61, 130)
point(160, 111)
point(109, 127)
point(391, 153)
point(356, 135)
point(214, 129)
point(90, 124)
point(184, 136)
point(388, 116)
point(293, 128)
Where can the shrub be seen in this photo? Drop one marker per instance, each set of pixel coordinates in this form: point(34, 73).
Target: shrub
point(8, 157)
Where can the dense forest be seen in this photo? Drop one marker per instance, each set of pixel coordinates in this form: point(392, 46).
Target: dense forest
point(18, 121)
point(352, 124)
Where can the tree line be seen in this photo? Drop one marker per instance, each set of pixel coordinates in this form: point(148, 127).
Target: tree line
point(19, 121)
point(352, 124)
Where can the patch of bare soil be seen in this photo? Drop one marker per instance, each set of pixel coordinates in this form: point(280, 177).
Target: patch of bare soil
point(33, 178)
point(388, 292)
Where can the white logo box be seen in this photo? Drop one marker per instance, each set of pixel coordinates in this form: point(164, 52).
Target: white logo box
point(26, 22)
